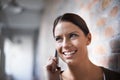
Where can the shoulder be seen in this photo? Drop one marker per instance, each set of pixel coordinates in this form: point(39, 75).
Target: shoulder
point(111, 75)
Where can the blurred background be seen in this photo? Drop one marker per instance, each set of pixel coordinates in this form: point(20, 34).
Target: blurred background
point(26, 40)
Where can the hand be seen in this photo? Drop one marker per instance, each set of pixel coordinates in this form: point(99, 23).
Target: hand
point(52, 69)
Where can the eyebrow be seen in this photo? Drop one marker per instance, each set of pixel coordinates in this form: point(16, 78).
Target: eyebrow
point(73, 32)
point(67, 33)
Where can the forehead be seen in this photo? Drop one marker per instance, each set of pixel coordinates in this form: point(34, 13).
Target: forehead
point(66, 27)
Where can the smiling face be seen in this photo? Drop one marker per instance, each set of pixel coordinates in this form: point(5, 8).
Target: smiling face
point(71, 42)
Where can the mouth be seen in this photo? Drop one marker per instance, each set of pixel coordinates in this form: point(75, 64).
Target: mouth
point(69, 54)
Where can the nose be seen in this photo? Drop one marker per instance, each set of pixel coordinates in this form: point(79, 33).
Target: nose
point(66, 44)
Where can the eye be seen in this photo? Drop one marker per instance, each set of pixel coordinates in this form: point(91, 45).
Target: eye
point(73, 36)
point(58, 39)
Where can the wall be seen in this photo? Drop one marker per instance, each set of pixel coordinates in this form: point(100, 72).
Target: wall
point(102, 17)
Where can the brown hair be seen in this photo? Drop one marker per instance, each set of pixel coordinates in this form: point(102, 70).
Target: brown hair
point(73, 18)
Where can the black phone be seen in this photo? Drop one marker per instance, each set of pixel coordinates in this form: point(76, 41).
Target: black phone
point(56, 55)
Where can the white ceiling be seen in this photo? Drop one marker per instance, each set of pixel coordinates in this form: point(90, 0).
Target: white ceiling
point(29, 18)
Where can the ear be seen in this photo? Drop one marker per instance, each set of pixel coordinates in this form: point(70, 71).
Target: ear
point(89, 37)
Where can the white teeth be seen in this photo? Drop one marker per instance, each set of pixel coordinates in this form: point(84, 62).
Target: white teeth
point(69, 53)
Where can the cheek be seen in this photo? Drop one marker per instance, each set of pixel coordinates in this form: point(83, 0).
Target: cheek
point(79, 43)
point(76, 43)
point(58, 47)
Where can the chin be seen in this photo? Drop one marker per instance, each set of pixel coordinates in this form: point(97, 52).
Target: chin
point(69, 62)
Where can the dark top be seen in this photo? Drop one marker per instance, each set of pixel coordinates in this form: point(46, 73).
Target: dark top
point(111, 75)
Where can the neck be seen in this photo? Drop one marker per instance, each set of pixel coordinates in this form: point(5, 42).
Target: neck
point(84, 70)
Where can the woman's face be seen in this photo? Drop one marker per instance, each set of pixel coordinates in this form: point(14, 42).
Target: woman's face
point(71, 42)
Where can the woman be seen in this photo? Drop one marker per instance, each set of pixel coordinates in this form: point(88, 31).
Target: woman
point(72, 37)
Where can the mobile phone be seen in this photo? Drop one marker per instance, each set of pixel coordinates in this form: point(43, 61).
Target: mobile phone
point(56, 55)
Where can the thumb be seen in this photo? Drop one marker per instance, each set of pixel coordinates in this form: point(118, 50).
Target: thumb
point(59, 69)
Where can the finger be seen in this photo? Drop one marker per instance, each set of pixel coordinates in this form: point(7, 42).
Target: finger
point(55, 60)
point(51, 65)
point(50, 57)
point(58, 68)
point(54, 65)
point(52, 60)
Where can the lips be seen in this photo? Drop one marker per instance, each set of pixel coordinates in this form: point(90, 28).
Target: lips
point(69, 54)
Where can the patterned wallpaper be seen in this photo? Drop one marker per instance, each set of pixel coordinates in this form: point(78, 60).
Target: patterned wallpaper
point(103, 20)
